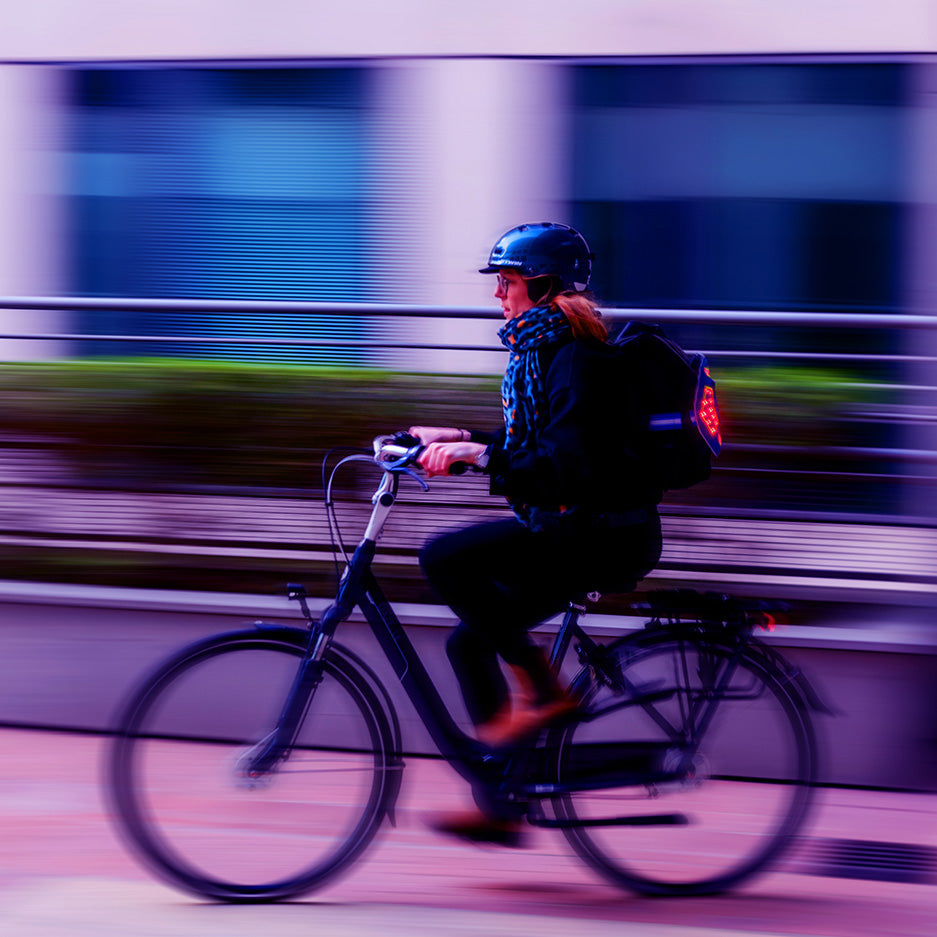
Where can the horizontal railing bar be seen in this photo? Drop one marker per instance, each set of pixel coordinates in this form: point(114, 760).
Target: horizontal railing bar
point(727, 317)
point(822, 356)
point(246, 340)
point(286, 307)
point(843, 452)
point(337, 342)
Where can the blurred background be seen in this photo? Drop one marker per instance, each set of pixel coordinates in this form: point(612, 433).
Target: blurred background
point(221, 257)
point(771, 206)
point(234, 235)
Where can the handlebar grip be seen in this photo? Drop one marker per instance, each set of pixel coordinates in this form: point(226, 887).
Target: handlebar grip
point(460, 468)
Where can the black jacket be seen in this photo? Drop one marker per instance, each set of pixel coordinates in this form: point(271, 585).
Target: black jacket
point(584, 455)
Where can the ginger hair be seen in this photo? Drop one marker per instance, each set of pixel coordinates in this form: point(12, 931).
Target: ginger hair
point(579, 308)
point(582, 314)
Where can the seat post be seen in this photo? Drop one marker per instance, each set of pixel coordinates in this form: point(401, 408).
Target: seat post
point(570, 625)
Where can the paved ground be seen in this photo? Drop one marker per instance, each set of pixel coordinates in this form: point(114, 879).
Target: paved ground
point(63, 872)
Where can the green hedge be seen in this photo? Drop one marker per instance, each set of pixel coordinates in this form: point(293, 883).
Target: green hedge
point(793, 405)
point(225, 423)
point(142, 423)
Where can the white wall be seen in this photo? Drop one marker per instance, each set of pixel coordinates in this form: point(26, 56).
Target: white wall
point(30, 219)
point(483, 159)
point(107, 29)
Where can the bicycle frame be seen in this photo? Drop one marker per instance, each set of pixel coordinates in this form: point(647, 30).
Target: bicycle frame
point(598, 768)
point(474, 761)
point(359, 588)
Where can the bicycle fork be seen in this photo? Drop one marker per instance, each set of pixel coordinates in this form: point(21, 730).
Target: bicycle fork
point(261, 759)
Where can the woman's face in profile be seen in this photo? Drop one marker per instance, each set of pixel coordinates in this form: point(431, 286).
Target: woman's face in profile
point(511, 289)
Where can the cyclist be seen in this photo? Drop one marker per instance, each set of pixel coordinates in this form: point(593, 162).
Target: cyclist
point(585, 509)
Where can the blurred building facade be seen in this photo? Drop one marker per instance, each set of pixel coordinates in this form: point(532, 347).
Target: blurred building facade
point(761, 158)
point(735, 183)
point(732, 157)
point(726, 160)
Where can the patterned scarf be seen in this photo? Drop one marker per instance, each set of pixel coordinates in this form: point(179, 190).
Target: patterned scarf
point(522, 393)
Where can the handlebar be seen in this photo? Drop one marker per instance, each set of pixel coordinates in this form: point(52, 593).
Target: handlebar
point(396, 452)
point(400, 451)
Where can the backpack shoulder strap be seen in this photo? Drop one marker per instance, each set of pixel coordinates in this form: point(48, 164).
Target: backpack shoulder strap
point(639, 328)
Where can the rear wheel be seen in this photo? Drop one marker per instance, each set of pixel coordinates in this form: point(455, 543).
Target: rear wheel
point(182, 794)
point(695, 778)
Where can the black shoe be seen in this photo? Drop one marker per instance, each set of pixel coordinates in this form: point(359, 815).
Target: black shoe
point(474, 827)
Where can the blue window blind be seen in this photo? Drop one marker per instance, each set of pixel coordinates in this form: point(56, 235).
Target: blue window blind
point(742, 184)
point(231, 183)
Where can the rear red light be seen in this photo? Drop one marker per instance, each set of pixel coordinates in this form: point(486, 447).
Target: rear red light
point(708, 415)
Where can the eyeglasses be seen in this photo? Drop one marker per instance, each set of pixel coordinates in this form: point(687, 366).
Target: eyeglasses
point(503, 283)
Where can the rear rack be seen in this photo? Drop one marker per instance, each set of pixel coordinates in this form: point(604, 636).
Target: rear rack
point(711, 609)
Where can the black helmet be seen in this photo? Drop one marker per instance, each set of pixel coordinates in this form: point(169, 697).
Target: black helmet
point(544, 249)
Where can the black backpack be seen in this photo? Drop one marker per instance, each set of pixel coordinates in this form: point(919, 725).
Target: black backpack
point(677, 405)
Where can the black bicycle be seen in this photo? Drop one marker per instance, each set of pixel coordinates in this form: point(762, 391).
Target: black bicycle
point(258, 764)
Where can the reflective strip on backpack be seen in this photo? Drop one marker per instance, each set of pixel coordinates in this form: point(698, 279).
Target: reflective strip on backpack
point(661, 421)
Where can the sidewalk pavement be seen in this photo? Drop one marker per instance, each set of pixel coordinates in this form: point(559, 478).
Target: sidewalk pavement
point(63, 872)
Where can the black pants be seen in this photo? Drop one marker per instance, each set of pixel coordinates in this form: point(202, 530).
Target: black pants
point(501, 579)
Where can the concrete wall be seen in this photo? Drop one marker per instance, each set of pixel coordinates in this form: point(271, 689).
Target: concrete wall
point(69, 655)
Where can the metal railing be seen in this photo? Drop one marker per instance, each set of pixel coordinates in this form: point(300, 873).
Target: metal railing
point(396, 316)
point(403, 329)
point(403, 312)
point(886, 551)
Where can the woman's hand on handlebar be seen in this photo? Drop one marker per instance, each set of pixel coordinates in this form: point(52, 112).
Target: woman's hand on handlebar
point(431, 434)
point(438, 457)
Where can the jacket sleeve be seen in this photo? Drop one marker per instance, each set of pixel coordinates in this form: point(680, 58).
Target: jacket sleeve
point(486, 438)
point(554, 470)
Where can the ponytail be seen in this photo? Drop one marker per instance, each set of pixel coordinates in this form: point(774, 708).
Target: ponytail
point(582, 314)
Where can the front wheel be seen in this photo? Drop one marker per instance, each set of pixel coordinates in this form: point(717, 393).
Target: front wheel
point(705, 766)
point(186, 804)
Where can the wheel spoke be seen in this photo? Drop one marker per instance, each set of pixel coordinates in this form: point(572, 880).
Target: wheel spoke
point(725, 747)
point(195, 814)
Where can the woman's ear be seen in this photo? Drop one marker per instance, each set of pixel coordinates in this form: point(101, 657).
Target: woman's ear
point(539, 289)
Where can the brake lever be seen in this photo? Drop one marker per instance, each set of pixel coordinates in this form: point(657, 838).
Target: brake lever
point(416, 476)
point(404, 440)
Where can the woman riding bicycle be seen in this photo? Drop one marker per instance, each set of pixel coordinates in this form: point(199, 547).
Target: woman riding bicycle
point(585, 508)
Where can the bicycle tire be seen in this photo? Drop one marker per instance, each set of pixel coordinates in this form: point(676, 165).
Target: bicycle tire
point(179, 793)
point(689, 820)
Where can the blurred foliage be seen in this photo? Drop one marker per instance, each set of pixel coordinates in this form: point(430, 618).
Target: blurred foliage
point(179, 422)
point(790, 405)
point(222, 423)
point(188, 425)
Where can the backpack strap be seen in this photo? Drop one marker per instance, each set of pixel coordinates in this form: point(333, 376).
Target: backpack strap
point(640, 328)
